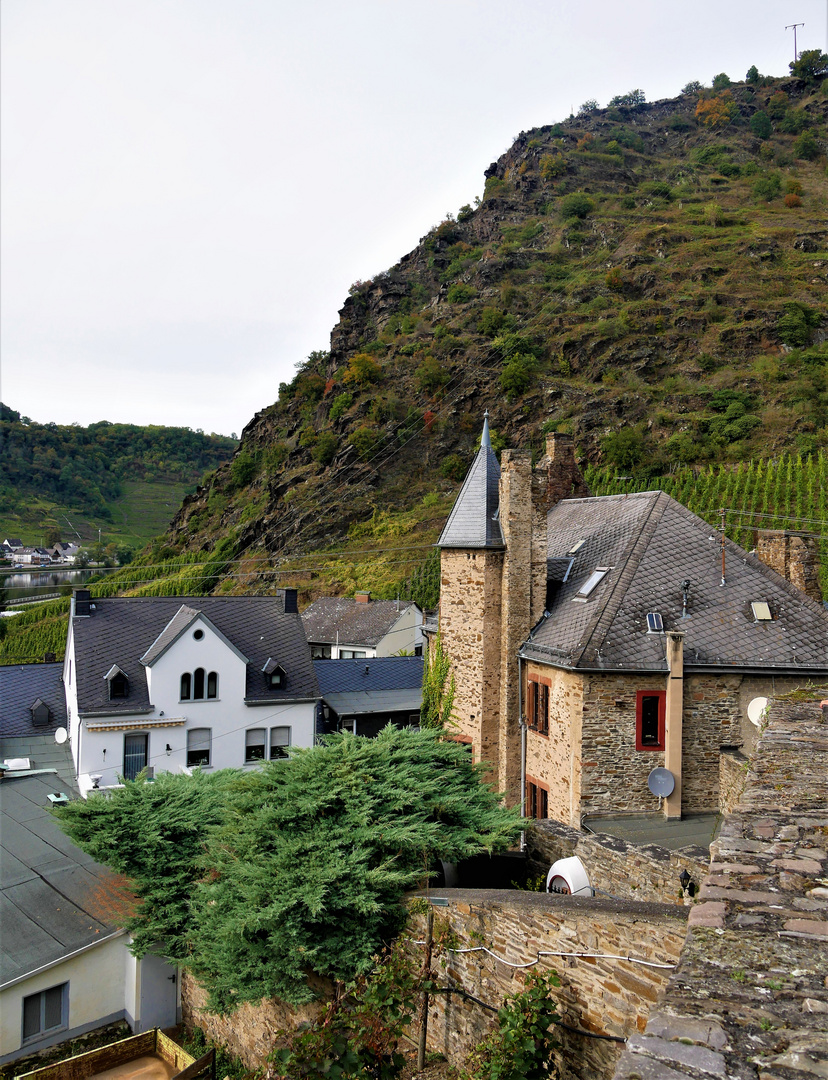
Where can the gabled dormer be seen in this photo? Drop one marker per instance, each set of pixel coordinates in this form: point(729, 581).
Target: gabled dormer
point(275, 675)
point(41, 713)
point(118, 681)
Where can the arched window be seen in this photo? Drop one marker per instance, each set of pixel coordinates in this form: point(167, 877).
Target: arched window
point(198, 683)
point(186, 686)
point(212, 685)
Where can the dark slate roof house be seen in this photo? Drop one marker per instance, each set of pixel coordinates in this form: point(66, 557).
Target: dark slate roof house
point(380, 627)
point(617, 559)
point(365, 695)
point(32, 700)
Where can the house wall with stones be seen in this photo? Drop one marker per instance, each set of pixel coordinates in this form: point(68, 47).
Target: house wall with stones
point(750, 994)
point(602, 994)
point(470, 634)
point(555, 759)
point(630, 871)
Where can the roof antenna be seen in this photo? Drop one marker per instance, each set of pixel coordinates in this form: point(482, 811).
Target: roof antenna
point(685, 590)
point(485, 440)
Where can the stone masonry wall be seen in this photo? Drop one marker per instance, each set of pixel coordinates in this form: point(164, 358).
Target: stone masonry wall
point(732, 777)
point(630, 871)
point(750, 995)
point(470, 634)
point(793, 555)
point(553, 759)
point(601, 994)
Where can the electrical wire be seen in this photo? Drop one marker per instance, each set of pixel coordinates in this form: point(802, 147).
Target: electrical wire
point(574, 955)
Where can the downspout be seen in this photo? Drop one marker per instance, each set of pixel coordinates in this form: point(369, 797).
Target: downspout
point(522, 752)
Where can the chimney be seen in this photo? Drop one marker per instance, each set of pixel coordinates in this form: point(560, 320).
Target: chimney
point(49, 657)
point(794, 556)
point(362, 597)
point(80, 603)
point(291, 607)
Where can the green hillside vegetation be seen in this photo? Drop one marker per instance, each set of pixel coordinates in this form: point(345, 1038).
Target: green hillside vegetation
point(650, 278)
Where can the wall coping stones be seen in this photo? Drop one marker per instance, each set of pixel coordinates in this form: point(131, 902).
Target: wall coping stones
point(749, 997)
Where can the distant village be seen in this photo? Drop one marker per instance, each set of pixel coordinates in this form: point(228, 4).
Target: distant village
point(20, 555)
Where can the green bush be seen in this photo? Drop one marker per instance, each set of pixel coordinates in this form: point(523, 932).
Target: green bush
point(517, 375)
point(794, 327)
point(752, 75)
point(340, 404)
point(624, 448)
point(806, 146)
point(811, 64)
point(365, 440)
point(460, 293)
point(576, 205)
point(760, 125)
point(721, 81)
point(492, 321)
point(325, 449)
point(767, 187)
point(243, 470)
point(432, 376)
point(363, 370)
point(453, 467)
point(465, 213)
point(552, 165)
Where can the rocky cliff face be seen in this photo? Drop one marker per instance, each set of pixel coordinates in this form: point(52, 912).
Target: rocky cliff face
point(652, 285)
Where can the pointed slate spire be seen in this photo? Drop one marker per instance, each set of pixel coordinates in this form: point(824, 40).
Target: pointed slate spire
point(473, 522)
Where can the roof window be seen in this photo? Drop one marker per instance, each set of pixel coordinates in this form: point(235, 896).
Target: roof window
point(274, 674)
point(761, 611)
point(597, 576)
point(576, 547)
point(118, 682)
point(41, 713)
point(655, 623)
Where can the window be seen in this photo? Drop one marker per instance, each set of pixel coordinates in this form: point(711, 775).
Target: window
point(193, 686)
point(135, 754)
point(594, 579)
point(118, 683)
point(537, 800)
point(279, 742)
point(45, 1012)
point(761, 611)
point(320, 652)
point(352, 654)
point(254, 745)
point(41, 713)
point(655, 623)
point(198, 746)
point(649, 719)
point(537, 706)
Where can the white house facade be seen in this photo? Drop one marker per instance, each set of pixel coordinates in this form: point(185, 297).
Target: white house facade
point(339, 628)
point(171, 684)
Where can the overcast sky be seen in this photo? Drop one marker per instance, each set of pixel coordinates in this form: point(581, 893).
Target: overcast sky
point(189, 187)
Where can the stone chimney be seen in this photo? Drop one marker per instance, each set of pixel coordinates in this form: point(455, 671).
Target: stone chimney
point(794, 555)
point(289, 600)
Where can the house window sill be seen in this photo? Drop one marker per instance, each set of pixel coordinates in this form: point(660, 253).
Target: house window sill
point(198, 700)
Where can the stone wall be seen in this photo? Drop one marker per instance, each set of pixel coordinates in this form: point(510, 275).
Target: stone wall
point(607, 995)
point(554, 758)
point(249, 1033)
point(732, 775)
point(793, 555)
point(750, 995)
point(630, 871)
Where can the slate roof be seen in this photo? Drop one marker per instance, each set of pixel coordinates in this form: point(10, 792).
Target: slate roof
point(120, 630)
point(652, 543)
point(54, 899)
point(19, 689)
point(351, 622)
point(376, 685)
point(473, 521)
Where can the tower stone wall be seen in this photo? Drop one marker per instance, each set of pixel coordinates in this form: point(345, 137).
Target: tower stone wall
point(793, 555)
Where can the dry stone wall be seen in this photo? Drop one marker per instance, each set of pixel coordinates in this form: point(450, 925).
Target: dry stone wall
point(602, 994)
point(630, 871)
point(750, 995)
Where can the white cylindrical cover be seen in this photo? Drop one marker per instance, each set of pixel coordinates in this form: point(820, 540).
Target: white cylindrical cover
point(568, 876)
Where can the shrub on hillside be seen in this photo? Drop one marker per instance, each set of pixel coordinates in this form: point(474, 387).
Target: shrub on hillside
point(325, 449)
point(460, 293)
point(718, 111)
point(806, 146)
point(431, 376)
point(364, 440)
point(517, 375)
point(811, 64)
point(576, 205)
point(363, 370)
point(752, 75)
point(766, 188)
point(453, 467)
point(760, 125)
point(624, 448)
point(721, 81)
point(340, 404)
point(552, 165)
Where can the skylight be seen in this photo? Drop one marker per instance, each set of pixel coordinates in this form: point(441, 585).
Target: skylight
point(576, 547)
point(655, 624)
point(594, 578)
point(761, 611)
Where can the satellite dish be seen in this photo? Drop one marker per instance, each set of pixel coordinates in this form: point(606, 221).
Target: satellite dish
point(661, 782)
point(61, 735)
point(568, 877)
point(756, 710)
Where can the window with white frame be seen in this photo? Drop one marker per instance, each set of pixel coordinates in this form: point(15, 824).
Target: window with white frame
point(45, 1012)
point(254, 744)
point(279, 742)
point(352, 654)
point(198, 746)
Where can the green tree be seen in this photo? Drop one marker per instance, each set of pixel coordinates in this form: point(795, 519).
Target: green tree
point(576, 205)
point(325, 448)
point(363, 370)
point(624, 448)
point(760, 125)
point(752, 74)
point(438, 688)
point(806, 146)
point(721, 81)
point(811, 64)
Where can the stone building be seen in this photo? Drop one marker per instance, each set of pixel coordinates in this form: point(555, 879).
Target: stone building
point(595, 639)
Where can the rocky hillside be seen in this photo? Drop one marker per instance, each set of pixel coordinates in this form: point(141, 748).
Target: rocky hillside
point(649, 277)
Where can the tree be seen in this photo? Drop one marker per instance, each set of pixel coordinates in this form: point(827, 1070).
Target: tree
point(309, 872)
point(633, 99)
point(806, 146)
point(752, 74)
point(811, 64)
point(438, 688)
point(721, 81)
point(363, 370)
point(693, 87)
point(589, 106)
point(760, 125)
point(624, 448)
point(718, 111)
point(576, 205)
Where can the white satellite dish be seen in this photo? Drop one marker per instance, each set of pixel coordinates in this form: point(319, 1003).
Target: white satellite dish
point(661, 782)
point(569, 877)
point(756, 710)
point(61, 735)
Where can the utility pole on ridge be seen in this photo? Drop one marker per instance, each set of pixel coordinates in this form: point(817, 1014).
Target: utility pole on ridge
point(793, 26)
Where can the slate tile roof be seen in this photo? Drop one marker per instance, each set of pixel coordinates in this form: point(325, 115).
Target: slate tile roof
point(651, 544)
point(473, 521)
point(19, 689)
point(375, 673)
point(120, 630)
point(54, 899)
point(351, 622)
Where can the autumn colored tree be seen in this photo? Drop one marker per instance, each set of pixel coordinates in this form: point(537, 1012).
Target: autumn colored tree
point(363, 370)
point(718, 111)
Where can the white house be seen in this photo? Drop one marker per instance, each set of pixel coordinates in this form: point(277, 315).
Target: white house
point(342, 629)
point(175, 683)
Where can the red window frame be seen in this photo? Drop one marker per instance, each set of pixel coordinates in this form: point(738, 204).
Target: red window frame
point(537, 705)
point(537, 800)
point(661, 695)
